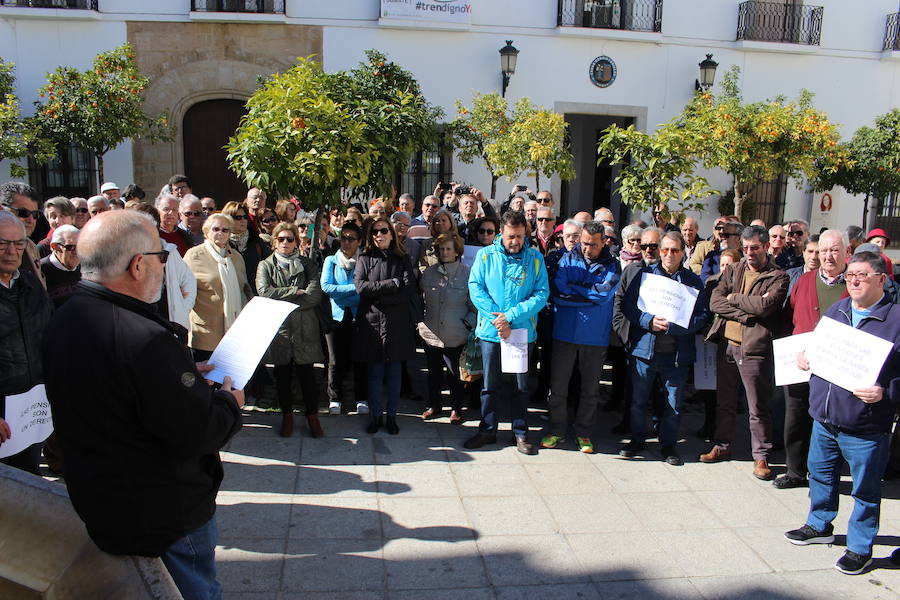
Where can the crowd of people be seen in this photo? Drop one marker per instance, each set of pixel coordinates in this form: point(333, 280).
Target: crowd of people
point(373, 282)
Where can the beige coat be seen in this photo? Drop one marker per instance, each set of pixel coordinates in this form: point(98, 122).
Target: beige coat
point(208, 316)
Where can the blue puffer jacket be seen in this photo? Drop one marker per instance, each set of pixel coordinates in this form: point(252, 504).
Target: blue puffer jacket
point(642, 341)
point(338, 284)
point(514, 284)
point(583, 295)
point(834, 405)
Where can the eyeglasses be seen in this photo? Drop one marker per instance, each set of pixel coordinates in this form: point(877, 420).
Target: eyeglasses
point(431, 205)
point(69, 247)
point(860, 276)
point(349, 238)
point(751, 248)
point(775, 236)
point(487, 231)
point(220, 229)
point(179, 188)
point(24, 213)
point(545, 200)
point(240, 217)
point(607, 221)
point(288, 239)
point(546, 219)
point(381, 231)
point(795, 232)
point(719, 228)
point(633, 241)
point(401, 224)
point(669, 250)
point(207, 210)
point(17, 244)
point(649, 246)
point(192, 213)
point(162, 254)
point(269, 220)
point(81, 210)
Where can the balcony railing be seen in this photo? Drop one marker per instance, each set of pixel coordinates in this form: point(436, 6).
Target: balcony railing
point(631, 15)
point(779, 22)
point(82, 4)
point(274, 7)
point(892, 32)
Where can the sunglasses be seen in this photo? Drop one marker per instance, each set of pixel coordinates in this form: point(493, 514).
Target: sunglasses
point(796, 232)
point(670, 250)
point(179, 188)
point(285, 238)
point(431, 206)
point(545, 200)
point(269, 220)
point(81, 210)
point(221, 229)
point(69, 247)
point(381, 231)
point(208, 210)
point(777, 237)
point(162, 254)
point(546, 219)
point(192, 213)
point(649, 246)
point(349, 238)
point(24, 213)
point(487, 231)
point(719, 228)
point(240, 217)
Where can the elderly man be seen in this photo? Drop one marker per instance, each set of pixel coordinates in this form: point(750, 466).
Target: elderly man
point(689, 231)
point(407, 204)
point(61, 268)
point(24, 313)
point(660, 348)
point(208, 206)
point(582, 217)
point(546, 224)
point(813, 294)
point(97, 204)
point(58, 211)
point(430, 206)
point(650, 245)
point(147, 485)
point(468, 212)
point(21, 200)
point(508, 286)
point(82, 216)
point(191, 218)
point(585, 284)
point(179, 186)
point(731, 241)
point(110, 191)
point(530, 210)
point(704, 247)
point(810, 263)
point(853, 425)
point(786, 256)
point(168, 207)
point(255, 203)
point(605, 216)
point(748, 300)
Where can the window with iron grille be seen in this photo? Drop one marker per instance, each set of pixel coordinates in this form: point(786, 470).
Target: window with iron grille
point(631, 15)
point(242, 6)
point(72, 173)
point(80, 4)
point(767, 202)
point(887, 217)
point(425, 170)
point(786, 21)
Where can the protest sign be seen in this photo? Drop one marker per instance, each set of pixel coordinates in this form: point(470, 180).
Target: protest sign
point(846, 356)
point(785, 351)
point(29, 420)
point(667, 298)
point(705, 367)
point(514, 352)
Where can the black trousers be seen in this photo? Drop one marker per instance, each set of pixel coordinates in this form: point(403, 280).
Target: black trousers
point(439, 359)
point(797, 428)
point(306, 375)
point(339, 343)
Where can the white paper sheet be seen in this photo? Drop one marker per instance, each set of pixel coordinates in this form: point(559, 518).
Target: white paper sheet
point(514, 352)
point(666, 298)
point(846, 356)
point(785, 351)
point(28, 417)
point(468, 257)
point(244, 344)
point(705, 367)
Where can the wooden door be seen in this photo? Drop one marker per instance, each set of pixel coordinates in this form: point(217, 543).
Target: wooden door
point(206, 129)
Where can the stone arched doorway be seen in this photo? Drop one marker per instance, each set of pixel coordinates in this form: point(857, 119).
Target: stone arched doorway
point(205, 130)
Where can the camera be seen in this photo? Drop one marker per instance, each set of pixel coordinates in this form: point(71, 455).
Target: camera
point(521, 188)
point(462, 190)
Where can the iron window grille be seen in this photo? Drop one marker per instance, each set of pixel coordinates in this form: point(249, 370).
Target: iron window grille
point(789, 22)
point(892, 32)
point(77, 4)
point(275, 7)
point(630, 15)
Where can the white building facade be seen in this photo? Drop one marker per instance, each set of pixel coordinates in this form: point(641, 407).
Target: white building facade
point(204, 57)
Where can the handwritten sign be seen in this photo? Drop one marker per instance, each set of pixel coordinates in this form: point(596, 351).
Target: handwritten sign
point(29, 419)
point(514, 352)
point(705, 367)
point(785, 351)
point(666, 298)
point(846, 356)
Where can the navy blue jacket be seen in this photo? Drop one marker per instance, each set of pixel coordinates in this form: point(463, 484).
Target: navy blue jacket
point(836, 406)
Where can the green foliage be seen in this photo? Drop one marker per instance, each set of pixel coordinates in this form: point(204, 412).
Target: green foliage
point(312, 133)
point(99, 108)
point(472, 131)
point(17, 135)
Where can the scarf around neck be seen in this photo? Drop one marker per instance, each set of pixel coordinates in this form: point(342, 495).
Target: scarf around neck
point(231, 288)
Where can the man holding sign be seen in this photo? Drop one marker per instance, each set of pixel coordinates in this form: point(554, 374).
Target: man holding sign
point(141, 441)
point(853, 425)
point(665, 305)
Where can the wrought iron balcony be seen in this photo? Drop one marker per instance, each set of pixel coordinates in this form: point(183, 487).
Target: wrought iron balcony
point(892, 32)
point(272, 7)
point(630, 15)
point(779, 22)
point(81, 4)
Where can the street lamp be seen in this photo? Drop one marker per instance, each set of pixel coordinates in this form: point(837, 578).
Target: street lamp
point(707, 74)
point(508, 55)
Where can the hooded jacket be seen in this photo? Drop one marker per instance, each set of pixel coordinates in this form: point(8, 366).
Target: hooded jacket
point(583, 295)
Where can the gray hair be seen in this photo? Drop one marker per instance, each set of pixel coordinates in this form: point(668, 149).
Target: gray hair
point(855, 233)
point(188, 200)
point(61, 231)
point(630, 230)
point(652, 230)
point(16, 188)
point(594, 227)
point(836, 234)
point(8, 217)
point(870, 258)
point(162, 197)
point(114, 245)
point(568, 222)
point(62, 204)
point(601, 212)
point(77, 200)
point(755, 231)
point(530, 203)
point(399, 214)
point(674, 235)
point(102, 199)
point(609, 231)
point(208, 223)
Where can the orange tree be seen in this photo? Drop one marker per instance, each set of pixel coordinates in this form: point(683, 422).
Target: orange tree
point(18, 136)
point(473, 130)
point(99, 108)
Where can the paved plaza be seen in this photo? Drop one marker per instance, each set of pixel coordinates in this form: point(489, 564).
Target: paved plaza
point(414, 516)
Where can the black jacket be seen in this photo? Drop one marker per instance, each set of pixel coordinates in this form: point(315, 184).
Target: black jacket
point(24, 313)
point(139, 427)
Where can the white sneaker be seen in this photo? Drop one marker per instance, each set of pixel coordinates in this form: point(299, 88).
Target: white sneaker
point(362, 408)
point(334, 408)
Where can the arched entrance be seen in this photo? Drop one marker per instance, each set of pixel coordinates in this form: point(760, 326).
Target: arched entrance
point(206, 128)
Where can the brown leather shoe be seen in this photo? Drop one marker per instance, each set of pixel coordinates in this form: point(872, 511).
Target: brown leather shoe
point(287, 424)
point(717, 454)
point(315, 427)
point(761, 470)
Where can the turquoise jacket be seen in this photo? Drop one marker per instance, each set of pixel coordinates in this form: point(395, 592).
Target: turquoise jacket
point(514, 284)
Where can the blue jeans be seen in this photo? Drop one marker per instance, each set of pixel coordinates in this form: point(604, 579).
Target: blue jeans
point(643, 376)
point(191, 562)
point(867, 456)
point(494, 387)
point(377, 373)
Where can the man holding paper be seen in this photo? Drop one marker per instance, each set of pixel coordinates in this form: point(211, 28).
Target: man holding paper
point(141, 441)
point(852, 425)
point(508, 286)
point(664, 315)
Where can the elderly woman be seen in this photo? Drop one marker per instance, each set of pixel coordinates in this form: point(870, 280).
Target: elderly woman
point(222, 288)
point(449, 315)
point(482, 231)
point(384, 335)
point(303, 224)
point(288, 276)
point(443, 222)
point(245, 240)
point(631, 246)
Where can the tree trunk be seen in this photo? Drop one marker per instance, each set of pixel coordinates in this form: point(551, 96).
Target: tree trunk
point(99, 169)
point(738, 198)
point(493, 186)
point(537, 181)
point(865, 221)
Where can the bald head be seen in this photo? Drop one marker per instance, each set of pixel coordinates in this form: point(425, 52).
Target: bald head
point(582, 217)
point(109, 242)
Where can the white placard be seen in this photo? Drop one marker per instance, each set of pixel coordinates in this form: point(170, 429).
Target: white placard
point(468, 257)
point(785, 351)
point(445, 11)
point(666, 298)
point(846, 356)
point(705, 367)
point(29, 419)
point(514, 352)
point(244, 344)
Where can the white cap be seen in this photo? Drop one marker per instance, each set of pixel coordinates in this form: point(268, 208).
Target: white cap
point(109, 185)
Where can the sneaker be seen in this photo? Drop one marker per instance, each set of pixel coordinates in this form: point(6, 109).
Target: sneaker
point(852, 563)
point(806, 535)
point(551, 441)
point(362, 408)
point(632, 449)
point(585, 445)
point(334, 408)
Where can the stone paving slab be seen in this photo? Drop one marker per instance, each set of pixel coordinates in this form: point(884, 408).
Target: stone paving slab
point(360, 517)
